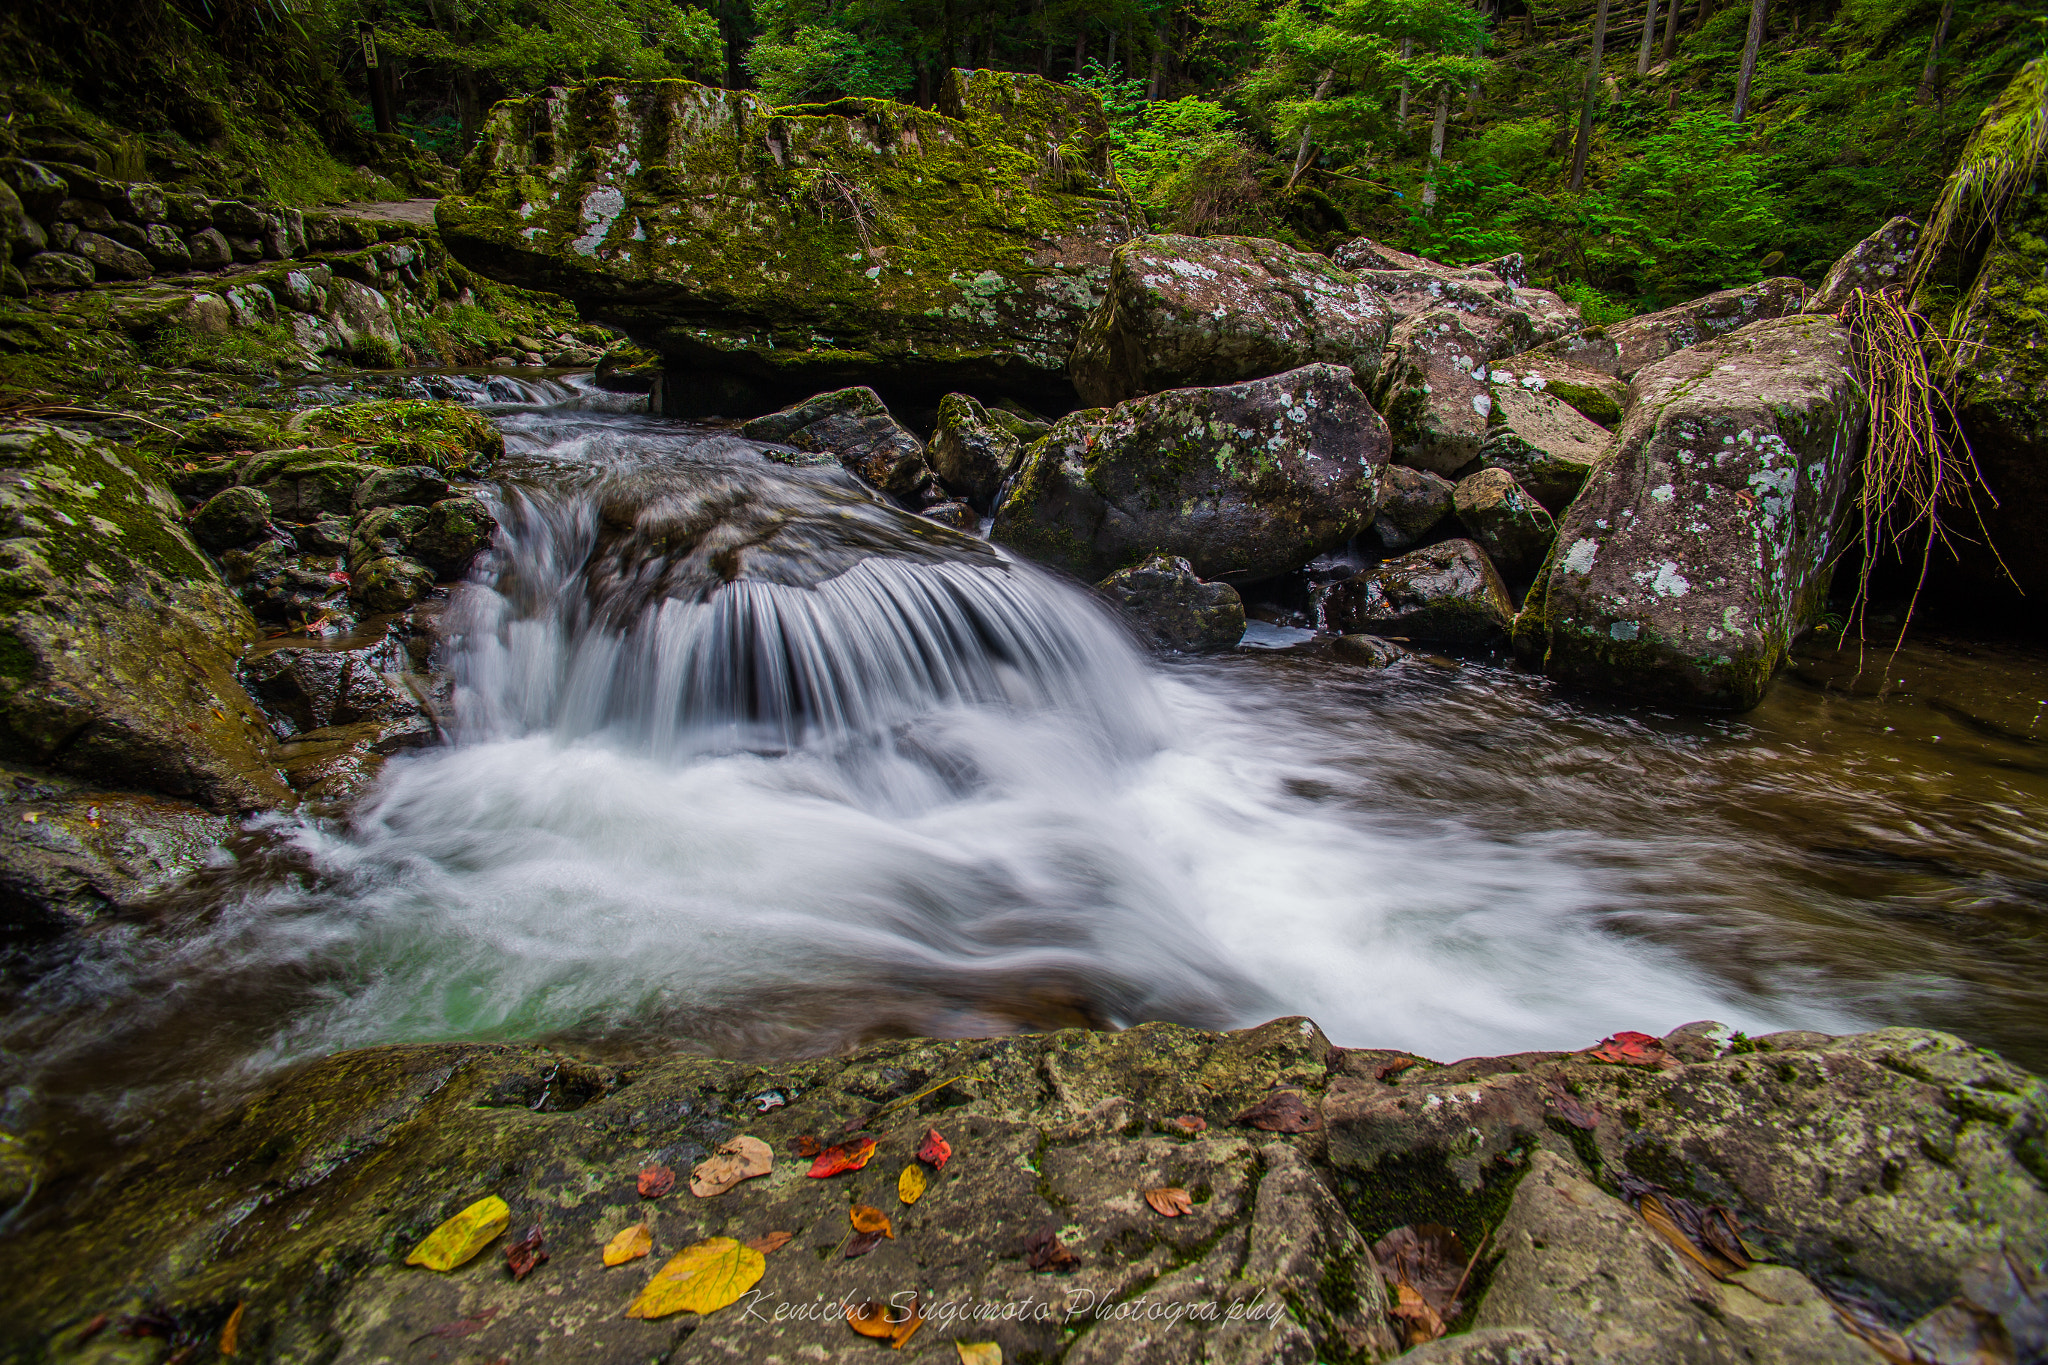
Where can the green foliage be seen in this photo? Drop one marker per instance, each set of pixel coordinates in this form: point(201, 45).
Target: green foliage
point(522, 45)
point(818, 62)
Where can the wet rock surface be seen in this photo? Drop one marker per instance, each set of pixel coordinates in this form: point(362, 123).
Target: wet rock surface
point(854, 427)
point(1448, 592)
point(1243, 481)
point(347, 1164)
point(1188, 311)
point(1700, 549)
point(972, 452)
point(1413, 503)
point(1170, 608)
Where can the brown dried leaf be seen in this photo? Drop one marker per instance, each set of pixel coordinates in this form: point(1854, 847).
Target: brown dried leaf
point(1170, 1201)
point(768, 1243)
point(1661, 1221)
point(460, 1327)
point(1576, 1114)
point(868, 1218)
point(1395, 1068)
point(1419, 1322)
point(880, 1321)
point(806, 1144)
point(741, 1159)
point(231, 1334)
point(1429, 1259)
point(526, 1253)
point(1043, 1251)
point(1283, 1111)
point(861, 1243)
point(656, 1181)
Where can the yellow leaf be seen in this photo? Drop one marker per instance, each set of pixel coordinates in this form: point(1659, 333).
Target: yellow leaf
point(979, 1352)
point(630, 1245)
point(702, 1278)
point(462, 1236)
point(910, 1185)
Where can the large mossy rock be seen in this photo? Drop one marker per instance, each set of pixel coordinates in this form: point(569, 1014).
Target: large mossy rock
point(1448, 593)
point(1543, 441)
point(807, 248)
point(1886, 1166)
point(1244, 481)
point(118, 638)
point(1700, 549)
point(1184, 311)
point(972, 450)
point(1434, 387)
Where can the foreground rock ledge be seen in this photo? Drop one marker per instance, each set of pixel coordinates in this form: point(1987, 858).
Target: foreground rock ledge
point(1882, 1166)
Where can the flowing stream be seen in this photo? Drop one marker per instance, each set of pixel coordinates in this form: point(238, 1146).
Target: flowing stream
point(888, 781)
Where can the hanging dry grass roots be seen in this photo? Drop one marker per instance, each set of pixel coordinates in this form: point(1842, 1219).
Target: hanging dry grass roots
point(1917, 467)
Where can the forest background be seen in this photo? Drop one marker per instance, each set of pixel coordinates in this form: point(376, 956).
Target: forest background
point(1617, 144)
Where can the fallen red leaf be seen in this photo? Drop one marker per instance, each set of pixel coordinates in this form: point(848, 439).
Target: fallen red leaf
point(1284, 1111)
point(656, 1181)
point(850, 1156)
point(1631, 1049)
point(934, 1151)
point(1395, 1068)
point(806, 1145)
point(1043, 1251)
point(526, 1253)
point(1191, 1123)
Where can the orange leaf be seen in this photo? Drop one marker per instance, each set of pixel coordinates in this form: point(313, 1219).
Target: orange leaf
point(630, 1245)
point(656, 1181)
point(934, 1151)
point(1283, 1111)
point(769, 1243)
point(867, 1218)
point(1171, 1201)
point(880, 1321)
point(1417, 1316)
point(231, 1335)
point(849, 1156)
point(806, 1144)
point(1191, 1123)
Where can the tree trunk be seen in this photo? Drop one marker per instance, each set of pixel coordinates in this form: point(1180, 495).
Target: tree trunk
point(1585, 143)
point(1080, 47)
point(1436, 149)
point(1158, 81)
point(1758, 10)
point(1649, 38)
point(1700, 20)
point(948, 45)
point(1472, 95)
point(1670, 30)
point(1407, 51)
point(1307, 144)
point(1925, 92)
point(1109, 61)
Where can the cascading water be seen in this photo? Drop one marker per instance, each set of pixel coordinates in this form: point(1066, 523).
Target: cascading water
point(745, 761)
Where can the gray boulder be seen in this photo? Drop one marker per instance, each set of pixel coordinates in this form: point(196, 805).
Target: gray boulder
point(1496, 289)
point(855, 428)
point(1626, 347)
point(1244, 481)
point(1170, 608)
point(971, 451)
point(1546, 444)
point(112, 259)
point(210, 250)
point(230, 518)
point(1877, 262)
point(404, 486)
point(1183, 311)
point(57, 270)
point(1433, 388)
point(1413, 503)
point(1596, 395)
point(1700, 550)
point(1446, 592)
point(1507, 522)
point(165, 248)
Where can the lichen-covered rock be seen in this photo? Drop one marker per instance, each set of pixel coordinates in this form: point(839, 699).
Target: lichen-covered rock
point(72, 852)
point(210, 250)
point(230, 518)
point(1877, 262)
point(117, 637)
point(854, 427)
point(1170, 608)
point(1507, 522)
point(389, 583)
point(280, 585)
point(1546, 444)
point(1596, 395)
point(306, 485)
point(972, 452)
point(819, 245)
point(1413, 503)
point(1184, 311)
point(1447, 592)
point(1497, 290)
point(1433, 388)
point(111, 259)
point(1626, 347)
point(1244, 481)
point(1700, 550)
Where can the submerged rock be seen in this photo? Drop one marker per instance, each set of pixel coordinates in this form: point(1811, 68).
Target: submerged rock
point(1244, 481)
point(1448, 593)
point(117, 636)
point(1170, 608)
point(855, 428)
point(1370, 650)
point(1626, 347)
point(971, 451)
point(809, 247)
point(1701, 549)
point(1184, 311)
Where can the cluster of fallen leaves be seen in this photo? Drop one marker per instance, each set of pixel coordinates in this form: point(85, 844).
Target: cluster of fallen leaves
point(1708, 1235)
point(1426, 1266)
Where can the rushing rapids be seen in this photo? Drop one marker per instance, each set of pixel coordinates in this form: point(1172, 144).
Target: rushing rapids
point(743, 760)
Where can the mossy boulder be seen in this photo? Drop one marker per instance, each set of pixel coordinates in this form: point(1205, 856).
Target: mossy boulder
point(235, 516)
point(455, 531)
point(973, 450)
point(1433, 388)
point(1448, 593)
point(444, 436)
point(812, 247)
point(117, 636)
point(1169, 608)
point(1243, 481)
point(627, 368)
point(1701, 548)
point(1506, 521)
point(1184, 311)
point(1413, 503)
point(1546, 444)
point(853, 427)
point(1879, 261)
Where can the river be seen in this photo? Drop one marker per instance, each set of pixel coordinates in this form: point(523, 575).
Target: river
point(941, 794)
